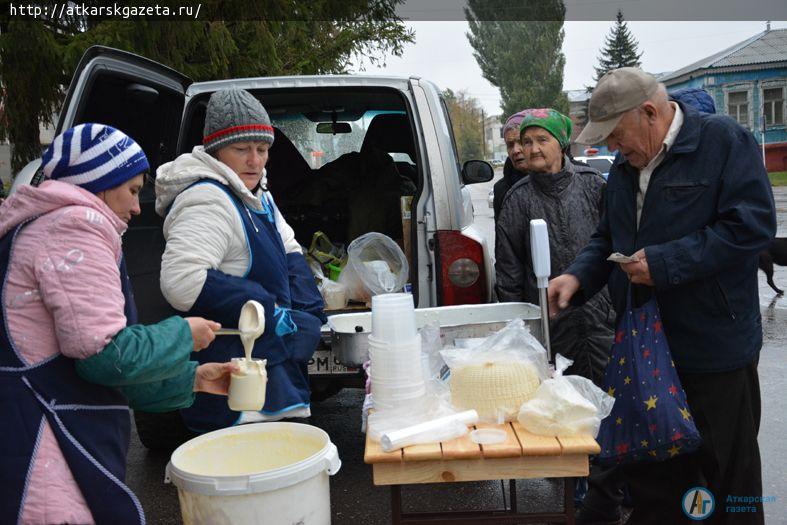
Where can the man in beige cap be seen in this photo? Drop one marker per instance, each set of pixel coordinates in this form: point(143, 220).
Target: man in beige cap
point(688, 196)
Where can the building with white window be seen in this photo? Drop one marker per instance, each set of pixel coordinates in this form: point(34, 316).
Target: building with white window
point(578, 100)
point(748, 82)
point(495, 145)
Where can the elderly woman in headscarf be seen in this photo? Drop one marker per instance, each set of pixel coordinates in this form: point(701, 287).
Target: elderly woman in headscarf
point(515, 165)
point(569, 197)
point(72, 358)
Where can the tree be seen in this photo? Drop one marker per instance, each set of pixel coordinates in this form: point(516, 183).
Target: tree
point(231, 39)
point(467, 124)
point(620, 49)
point(522, 58)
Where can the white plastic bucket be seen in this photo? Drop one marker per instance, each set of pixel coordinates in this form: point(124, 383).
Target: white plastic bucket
point(253, 474)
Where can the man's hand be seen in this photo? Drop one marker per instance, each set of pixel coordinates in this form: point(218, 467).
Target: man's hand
point(214, 378)
point(202, 331)
point(561, 289)
point(638, 272)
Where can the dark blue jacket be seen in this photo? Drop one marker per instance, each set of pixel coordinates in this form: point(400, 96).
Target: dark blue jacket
point(708, 212)
point(697, 97)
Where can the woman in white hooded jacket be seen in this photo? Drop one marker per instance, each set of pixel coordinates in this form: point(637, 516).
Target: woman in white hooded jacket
point(228, 243)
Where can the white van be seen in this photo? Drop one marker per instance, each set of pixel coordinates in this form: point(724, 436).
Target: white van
point(324, 125)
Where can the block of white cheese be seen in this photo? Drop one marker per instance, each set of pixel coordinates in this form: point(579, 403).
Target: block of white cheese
point(558, 409)
point(492, 387)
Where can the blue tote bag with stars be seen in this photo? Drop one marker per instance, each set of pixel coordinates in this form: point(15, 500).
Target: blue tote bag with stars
point(650, 420)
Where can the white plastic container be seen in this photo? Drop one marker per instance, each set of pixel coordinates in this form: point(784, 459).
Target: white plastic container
point(254, 474)
point(407, 369)
point(398, 391)
point(247, 387)
point(393, 318)
point(414, 344)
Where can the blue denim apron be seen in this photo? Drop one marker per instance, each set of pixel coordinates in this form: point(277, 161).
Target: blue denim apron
point(91, 422)
point(273, 278)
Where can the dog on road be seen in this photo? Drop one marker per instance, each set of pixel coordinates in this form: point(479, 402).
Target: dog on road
point(775, 254)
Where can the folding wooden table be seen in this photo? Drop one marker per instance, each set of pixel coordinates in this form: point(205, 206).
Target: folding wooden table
point(522, 455)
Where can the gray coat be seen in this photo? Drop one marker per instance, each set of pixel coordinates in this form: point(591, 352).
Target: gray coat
point(570, 202)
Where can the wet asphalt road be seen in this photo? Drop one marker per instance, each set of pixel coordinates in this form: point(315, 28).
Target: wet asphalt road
point(356, 501)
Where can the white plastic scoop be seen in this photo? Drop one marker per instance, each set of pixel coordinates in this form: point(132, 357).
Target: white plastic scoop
point(539, 251)
point(251, 325)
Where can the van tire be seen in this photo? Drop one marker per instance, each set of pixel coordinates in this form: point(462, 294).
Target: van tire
point(163, 431)
point(323, 389)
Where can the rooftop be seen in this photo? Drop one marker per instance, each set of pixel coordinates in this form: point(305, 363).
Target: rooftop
point(577, 95)
point(764, 48)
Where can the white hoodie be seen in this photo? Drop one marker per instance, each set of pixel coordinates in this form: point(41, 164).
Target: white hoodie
point(202, 225)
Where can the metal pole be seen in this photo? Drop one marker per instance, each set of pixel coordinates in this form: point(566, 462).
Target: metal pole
point(762, 116)
point(762, 119)
point(545, 321)
point(483, 134)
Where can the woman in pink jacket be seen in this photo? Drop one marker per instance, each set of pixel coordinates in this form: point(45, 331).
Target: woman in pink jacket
point(71, 357)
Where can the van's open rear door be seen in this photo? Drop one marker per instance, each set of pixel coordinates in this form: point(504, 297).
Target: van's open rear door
point(145, 100)
point(142, 98)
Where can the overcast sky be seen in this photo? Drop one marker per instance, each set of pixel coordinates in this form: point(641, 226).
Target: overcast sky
point(442, 54)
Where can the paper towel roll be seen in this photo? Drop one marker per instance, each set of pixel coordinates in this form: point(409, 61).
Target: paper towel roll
point(408, 436)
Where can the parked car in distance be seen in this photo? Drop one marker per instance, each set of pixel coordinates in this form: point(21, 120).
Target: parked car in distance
point(601, 163)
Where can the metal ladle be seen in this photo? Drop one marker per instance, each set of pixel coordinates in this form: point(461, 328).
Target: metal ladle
point(228, 331)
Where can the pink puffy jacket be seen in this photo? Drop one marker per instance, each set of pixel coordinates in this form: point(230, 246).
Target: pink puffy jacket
point(62, 294)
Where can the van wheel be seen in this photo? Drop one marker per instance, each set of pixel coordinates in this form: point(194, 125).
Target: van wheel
point(322, 389)
point(162, 431)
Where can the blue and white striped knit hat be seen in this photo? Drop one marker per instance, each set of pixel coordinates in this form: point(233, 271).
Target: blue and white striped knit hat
point(95, 157)
point(234, 115)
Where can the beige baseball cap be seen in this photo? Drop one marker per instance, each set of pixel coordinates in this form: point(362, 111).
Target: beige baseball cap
point(617, 92)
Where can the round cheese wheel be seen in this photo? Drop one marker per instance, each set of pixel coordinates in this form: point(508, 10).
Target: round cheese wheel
point(487, 387)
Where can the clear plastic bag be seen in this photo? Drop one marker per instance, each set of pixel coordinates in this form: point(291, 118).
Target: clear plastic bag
point(431, 345)
point(513, 342)
point(565, 405)
point(495, 376)
point(433, 406)
point(382, 422)
point(433, 430)
point(333, 294)
point(375, 265)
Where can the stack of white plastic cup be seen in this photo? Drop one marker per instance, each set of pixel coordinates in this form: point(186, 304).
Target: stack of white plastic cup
point(393, 318)
point(395, 353)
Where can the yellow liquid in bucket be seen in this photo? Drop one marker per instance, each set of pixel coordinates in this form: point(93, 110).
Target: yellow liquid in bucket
point(248, 453)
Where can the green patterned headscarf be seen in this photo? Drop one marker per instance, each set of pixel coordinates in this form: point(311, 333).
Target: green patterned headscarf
point(553, 121)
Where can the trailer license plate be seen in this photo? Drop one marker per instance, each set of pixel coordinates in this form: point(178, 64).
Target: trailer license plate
point(324, 362)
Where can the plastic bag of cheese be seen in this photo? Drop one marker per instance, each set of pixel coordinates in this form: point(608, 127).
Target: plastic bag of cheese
point(496, 376)
point(565, 405)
